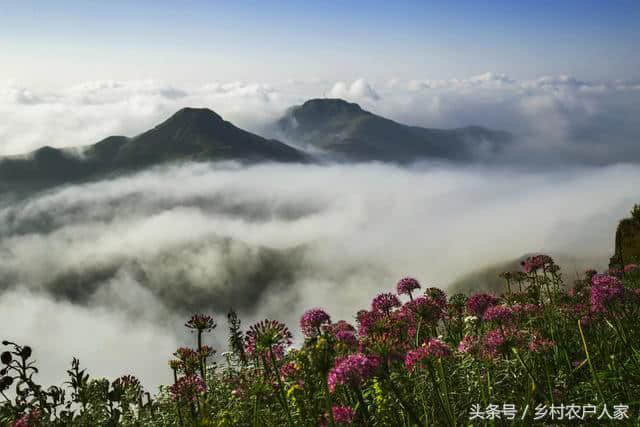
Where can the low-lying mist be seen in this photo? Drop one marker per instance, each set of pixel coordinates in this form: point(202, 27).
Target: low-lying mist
point(109, 271)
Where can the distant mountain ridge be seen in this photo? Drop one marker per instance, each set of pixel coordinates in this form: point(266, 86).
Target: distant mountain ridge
point(347, 131)
point(190, 134)
point(331, 126)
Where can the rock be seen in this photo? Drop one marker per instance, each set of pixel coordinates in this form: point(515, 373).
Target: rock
point(627, 249)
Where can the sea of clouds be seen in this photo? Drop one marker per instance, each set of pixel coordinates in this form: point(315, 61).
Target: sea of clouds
point(109, 271)
point(555, 117)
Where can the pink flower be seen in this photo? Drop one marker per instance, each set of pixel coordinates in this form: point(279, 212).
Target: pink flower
point(201, 322)
point(33, 418)
point(604, 279)
point(267, 336)
point(312, 320)
point(630, 267)
point(188, 388)
point(469, 345)
point(352, 370)
point(438, 349)
point(434, 348)
point(540, 345)
point(425, 308)
point(413, 357)
point(499, 342)
point(437, 295)
point(498, 313)
point(526, 310)
point(478, 303)
point(536, 262)
point(605, 291)
point(494, 342)
point(289, 370)
point(385, 302)
point(340, 325)
point(347, 337)
point(188, 360)
point(368, 321)
point(407, 285)
point(343, 414)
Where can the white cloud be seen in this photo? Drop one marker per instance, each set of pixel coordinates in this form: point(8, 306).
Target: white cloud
point(359, 90)
point(578, 120)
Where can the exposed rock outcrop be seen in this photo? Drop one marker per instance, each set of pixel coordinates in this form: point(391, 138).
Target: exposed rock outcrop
point(627, 243)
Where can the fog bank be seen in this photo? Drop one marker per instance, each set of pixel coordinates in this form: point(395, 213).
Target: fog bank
point(109, 271)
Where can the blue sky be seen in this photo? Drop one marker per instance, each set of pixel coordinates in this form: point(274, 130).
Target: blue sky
point(197, 41)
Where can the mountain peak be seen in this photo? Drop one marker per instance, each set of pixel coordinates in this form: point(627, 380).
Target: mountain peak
point(193, 112)
point(190, 116)
point(329, 106)
point(187, 124)
point(346, 131)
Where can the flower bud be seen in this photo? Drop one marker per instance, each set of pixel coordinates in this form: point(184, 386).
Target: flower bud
point(26, 352)
point(6, 357)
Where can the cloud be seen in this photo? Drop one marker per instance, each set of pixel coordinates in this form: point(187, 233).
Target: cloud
point(358, 90)
point(556, 117)
point(109, 271)
point(486, 80)
point(86, 113)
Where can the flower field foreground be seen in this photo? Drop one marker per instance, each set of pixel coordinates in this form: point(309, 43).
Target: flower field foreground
point(541, 352)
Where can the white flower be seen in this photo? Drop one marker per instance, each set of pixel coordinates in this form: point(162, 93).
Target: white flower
point(470, 319)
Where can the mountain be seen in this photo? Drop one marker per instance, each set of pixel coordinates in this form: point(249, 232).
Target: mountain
point(343, 129)
point(190, 134)
point(627, 241)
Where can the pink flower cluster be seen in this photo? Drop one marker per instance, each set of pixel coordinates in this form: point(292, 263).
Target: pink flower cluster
point(498, 313)
point(526, 310)
point(347, 337)
point(604, 279)
point(353, 369)
point(33, 418)
point(540, 345)
point(437, 295)
point(630, 267)
point(605, 291)
point(343, 414)
point(289, 370)
point(367, 321)
point(407, 285)
point(426, 308)
point(434, 348)
point(537, 262)
point(469, 345)
point(187, 361)
point(479, 303)
point(188, 388)
point(499, 342)
point(201, 322)
point(267, 336)
point(340, 325)
point(312, 320)
point(385, 302)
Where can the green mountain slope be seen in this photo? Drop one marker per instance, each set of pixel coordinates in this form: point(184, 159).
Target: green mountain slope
point(346, 130)
point(190, 134)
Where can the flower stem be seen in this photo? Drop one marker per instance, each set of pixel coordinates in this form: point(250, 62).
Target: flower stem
point(593, 372)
